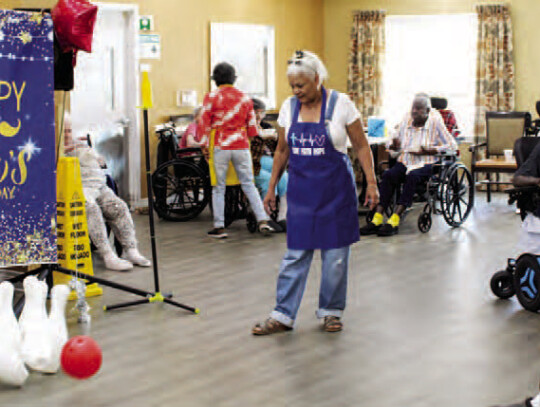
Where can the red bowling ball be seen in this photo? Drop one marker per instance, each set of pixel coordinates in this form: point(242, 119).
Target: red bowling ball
point(81, 357)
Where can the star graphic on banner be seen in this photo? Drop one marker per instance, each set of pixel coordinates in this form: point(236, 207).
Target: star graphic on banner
point(37, 17)
point(29, 148)
point(25, 37)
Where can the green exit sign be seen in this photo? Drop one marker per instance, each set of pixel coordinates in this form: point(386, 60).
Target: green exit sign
point(146, 23)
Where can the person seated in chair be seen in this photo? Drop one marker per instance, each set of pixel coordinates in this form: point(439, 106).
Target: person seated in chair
point(528, 174)
point(419, 138)
point(192, 137)
point(262, 152)
point(103, 204)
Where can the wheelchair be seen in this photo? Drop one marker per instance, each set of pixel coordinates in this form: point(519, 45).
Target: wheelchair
point(181, 181)
point(181, 184)
point(522, 275)
point(449, 192)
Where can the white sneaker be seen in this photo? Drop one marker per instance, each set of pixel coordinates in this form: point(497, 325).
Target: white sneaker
point(113, 262)
point(136, 258)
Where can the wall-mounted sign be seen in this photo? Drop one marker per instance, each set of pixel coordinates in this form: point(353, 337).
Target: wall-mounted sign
point(186, 98)
point(146, 23)
point(149, 46)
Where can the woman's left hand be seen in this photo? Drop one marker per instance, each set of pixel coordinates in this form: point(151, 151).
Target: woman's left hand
point(270, 202)
point(372, 196)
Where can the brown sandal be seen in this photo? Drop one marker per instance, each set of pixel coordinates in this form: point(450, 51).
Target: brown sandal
point(332, 324)
point(270, 326)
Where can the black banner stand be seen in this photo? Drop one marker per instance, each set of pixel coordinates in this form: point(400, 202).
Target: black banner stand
point(46, 270)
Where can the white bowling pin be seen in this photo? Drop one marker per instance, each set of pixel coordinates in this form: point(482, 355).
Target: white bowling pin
point(12, 370)
point(28, 281)
point(34, 325)
point(7, 316)
point(57, 323)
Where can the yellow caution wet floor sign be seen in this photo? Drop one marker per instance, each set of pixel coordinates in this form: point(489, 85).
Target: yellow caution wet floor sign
point(72, 230)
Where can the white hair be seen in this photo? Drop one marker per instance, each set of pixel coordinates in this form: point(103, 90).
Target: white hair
point(307, 63)
point(197, 110)
point(424, 97)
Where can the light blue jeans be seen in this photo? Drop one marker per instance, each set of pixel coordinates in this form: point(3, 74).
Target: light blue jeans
point(263, 179)
point(292, 279)
point(241, 160)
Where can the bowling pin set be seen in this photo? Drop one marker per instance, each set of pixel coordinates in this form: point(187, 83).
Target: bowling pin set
point(35, 342)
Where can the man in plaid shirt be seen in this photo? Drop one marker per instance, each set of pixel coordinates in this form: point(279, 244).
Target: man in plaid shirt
point(419, 138)
point(228, 112)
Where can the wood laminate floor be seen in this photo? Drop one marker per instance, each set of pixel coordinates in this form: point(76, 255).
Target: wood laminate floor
point(421, 327)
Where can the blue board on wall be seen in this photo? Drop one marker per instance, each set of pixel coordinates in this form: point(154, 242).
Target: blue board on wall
point(27, 140)
point(376, 127)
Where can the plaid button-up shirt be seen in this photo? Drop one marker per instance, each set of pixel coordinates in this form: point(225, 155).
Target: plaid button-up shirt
point(433, 134)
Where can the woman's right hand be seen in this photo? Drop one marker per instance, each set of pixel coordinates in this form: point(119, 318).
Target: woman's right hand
point(270, 202)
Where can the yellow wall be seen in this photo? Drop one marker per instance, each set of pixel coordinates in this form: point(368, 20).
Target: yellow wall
point(184, 27)
point(525, 21)
point(320, 25)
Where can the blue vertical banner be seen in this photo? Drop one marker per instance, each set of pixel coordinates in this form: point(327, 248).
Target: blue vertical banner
point(27, 140)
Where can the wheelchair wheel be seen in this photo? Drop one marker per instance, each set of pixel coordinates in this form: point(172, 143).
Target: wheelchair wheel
point(424, 222)
point(251, 222)
point(527, 282)
point(502, 284)
point(181, 190)
point(235, 205)
point(457, 195)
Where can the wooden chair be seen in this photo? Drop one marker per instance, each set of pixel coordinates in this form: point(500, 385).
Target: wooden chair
point(502, 130)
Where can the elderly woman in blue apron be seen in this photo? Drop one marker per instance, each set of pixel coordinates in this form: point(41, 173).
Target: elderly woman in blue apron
point(322, 212)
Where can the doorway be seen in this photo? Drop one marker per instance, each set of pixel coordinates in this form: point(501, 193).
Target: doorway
point(103, 101)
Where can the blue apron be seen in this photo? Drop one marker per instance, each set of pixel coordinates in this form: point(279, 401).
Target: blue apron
point(322, 208)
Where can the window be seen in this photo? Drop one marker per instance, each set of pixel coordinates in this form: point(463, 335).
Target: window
point(435, 54)
point(250, 49)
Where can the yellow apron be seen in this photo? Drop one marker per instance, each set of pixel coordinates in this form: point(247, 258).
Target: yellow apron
point(232, 178)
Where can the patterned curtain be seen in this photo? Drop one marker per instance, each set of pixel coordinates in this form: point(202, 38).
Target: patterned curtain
point(495, 87)
point(365, 61)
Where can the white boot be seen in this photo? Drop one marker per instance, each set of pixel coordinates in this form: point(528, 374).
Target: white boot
point(135, 257)
point(113, 262)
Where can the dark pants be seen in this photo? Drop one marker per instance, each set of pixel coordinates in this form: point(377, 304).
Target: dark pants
point(397, 175)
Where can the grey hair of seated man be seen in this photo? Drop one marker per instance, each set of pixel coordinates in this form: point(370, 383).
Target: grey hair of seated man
point(424, 97)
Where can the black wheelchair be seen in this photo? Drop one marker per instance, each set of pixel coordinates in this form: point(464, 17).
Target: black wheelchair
point(181, 184)
point(448, 192)
point(522, 275)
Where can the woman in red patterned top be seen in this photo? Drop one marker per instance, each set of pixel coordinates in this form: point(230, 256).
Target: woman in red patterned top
point(229, 112)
